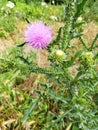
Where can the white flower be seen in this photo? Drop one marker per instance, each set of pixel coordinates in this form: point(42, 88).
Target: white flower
point(54, 18)
point(44, 4)
point(80, 19)
point(53, 2)
point(10, 4)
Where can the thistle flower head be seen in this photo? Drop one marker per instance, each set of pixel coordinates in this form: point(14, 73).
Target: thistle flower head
point(38, 35)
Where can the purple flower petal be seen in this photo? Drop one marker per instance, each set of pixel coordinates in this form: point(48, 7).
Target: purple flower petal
point(38, 35)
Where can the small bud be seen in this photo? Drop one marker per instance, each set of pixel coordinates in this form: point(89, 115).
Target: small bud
point(60, 55)
point(87, 59)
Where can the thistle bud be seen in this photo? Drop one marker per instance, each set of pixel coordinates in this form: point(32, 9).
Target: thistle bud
point(60, 55)
point(87, 59)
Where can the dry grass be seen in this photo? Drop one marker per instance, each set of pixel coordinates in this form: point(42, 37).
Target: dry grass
point(5, 43)
point(90, 32)
point(11, 39)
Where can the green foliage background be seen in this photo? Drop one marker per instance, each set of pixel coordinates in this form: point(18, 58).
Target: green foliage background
point(61, 100)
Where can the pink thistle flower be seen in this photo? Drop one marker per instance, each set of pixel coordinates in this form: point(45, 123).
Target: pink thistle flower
point(38, 35)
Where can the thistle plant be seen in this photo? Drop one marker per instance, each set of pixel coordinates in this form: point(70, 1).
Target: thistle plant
point(69, 97)
point(69, 103)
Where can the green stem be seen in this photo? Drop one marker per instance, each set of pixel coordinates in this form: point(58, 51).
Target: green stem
point(44, 71)
point(69, 15)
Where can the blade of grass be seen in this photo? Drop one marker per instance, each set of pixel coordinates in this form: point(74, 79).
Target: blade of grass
point(83, 43)
point(94, 41)
point(30, 109)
